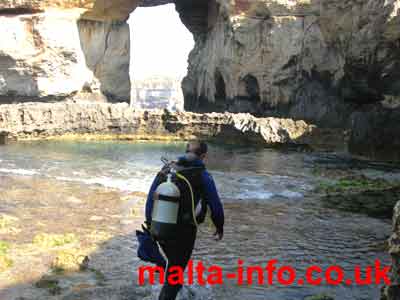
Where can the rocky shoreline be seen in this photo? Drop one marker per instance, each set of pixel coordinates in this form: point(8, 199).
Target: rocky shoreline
point(80, 120)
point(332, 63)
point(88, 120)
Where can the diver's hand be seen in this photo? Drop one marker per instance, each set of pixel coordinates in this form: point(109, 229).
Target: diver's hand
point(219, 234)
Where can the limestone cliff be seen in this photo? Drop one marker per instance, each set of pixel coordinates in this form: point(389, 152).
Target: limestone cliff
point(53, 55)
point(98, 10)
point(52, 50)
point(316, 60)
point(309, 59)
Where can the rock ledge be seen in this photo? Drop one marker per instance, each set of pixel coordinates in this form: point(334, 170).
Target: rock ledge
point(29, 121)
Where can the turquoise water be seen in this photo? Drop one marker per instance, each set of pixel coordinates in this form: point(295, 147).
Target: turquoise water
point(241, 173)
point(271, 210)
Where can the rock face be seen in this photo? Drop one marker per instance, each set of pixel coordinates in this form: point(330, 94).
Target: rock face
point(38, 62)
point(98, 10)
point(51, 50)
point(42, 120)
point(392, 292)
point(308, 59)
point(314, 60)
point(376, 134)
point(106, 47)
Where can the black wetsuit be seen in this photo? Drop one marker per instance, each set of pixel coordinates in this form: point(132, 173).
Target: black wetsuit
point(178, 252)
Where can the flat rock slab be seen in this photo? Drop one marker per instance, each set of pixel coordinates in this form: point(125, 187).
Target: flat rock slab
point(27, 121)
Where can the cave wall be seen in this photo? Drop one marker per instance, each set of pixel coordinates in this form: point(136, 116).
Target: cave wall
point(313, 60)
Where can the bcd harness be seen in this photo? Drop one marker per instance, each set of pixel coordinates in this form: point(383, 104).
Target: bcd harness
point(171, 211)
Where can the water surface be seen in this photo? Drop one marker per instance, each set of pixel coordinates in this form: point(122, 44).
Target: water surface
point(271, 213)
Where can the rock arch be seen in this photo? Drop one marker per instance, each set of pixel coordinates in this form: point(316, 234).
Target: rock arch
point(92, 61)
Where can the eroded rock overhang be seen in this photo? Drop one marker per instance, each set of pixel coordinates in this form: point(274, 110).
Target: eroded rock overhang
point(308, 59)
point(53, 50)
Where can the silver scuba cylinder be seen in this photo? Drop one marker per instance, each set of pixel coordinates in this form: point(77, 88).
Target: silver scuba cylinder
point(165, 210)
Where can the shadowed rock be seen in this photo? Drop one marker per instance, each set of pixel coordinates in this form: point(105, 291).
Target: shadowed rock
point(376, 134)
point(392, 292)
point(3, 138)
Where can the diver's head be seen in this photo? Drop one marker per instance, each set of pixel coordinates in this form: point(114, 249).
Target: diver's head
point(198, 148)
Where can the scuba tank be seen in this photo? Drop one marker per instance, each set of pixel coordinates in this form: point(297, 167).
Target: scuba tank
point(164, 222)
point(174, 202)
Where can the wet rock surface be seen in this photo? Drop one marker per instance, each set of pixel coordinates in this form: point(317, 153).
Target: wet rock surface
point(359, 194)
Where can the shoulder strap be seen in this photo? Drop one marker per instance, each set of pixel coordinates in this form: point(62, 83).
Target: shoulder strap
point(179, 175)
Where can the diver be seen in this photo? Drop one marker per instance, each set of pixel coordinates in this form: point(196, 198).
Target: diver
point(177, 203)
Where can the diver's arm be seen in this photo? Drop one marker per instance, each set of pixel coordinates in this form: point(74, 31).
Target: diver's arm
point(214, 202)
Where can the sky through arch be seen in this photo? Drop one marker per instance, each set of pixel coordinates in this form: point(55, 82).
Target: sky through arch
point(160, 43)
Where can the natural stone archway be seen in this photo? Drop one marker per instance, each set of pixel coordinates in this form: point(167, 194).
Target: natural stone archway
point(309, 62)
point(97, 10)
point(81, 59)
point(86, 58)
point(199, 16)
point(36, 61)
point(106, 47)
